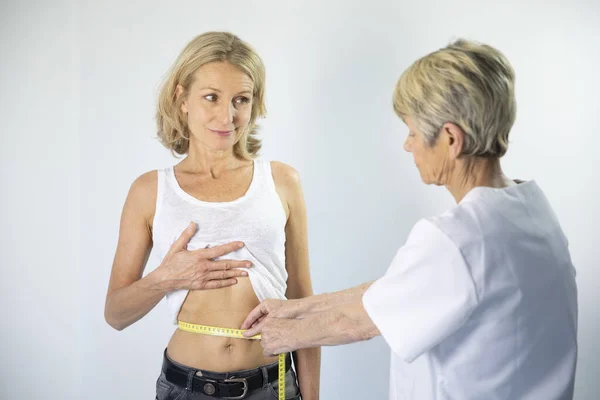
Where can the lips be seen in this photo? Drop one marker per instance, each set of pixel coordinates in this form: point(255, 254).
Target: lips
point(221, 133)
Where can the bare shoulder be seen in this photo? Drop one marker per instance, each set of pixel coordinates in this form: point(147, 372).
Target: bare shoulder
point(285, 176)
point(145, 185)
point(287, 184)
point(142, 194)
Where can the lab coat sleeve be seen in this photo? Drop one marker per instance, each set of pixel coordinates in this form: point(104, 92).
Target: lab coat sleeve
point(425, 296)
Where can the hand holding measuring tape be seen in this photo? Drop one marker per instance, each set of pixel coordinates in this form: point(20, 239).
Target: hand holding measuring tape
point(274, 321)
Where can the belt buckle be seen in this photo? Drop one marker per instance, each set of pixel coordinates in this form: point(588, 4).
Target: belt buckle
point(242, 380)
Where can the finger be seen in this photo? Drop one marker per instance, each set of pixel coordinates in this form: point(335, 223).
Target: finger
point(225, 275)
point(220, 283)
point(254, 316)
point(229, 264)
point(255, 330)
point(267, 353)
point(221, 250)
point(258, 321)
point(183, 239)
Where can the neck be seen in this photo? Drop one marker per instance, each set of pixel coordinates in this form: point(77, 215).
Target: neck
point(473, 172)
point(202, 159)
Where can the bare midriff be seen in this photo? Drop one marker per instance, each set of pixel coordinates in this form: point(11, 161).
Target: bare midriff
point(227, 308)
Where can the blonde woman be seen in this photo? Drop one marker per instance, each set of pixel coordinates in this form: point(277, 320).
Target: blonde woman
point(230, 229)
point(481, 301)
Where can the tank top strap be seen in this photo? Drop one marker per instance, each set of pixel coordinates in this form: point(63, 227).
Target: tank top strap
point(264, 174)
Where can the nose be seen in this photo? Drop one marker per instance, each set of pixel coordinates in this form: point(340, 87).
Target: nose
point(407, 145)
point(226, 113)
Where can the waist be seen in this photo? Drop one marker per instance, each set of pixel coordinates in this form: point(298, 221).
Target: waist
point(234, 383)
point(226, 308)
point(217, 354)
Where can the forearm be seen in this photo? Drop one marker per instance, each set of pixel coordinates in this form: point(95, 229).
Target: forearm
point(328, 301)
point(127, 305)
point(342, 324)
point(308, 367)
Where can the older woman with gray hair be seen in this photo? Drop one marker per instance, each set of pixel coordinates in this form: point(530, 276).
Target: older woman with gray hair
point(481, 301)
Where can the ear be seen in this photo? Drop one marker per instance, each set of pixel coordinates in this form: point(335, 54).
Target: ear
point(178, 92)
point(455, 139)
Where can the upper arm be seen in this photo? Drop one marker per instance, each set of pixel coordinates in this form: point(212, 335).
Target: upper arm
point(135, 233)
point(289, 188)
point(427, 294)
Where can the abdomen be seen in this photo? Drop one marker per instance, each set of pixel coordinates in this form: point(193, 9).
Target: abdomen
point(226, 308)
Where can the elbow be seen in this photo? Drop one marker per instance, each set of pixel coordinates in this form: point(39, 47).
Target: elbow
point(113, 323)
point(116, 326)
point(110, 319)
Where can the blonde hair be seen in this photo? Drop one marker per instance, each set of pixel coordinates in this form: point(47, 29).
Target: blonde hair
point(173, 130)
point(468, 84)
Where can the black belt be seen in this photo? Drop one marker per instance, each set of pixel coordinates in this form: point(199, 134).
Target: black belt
point(231, 388)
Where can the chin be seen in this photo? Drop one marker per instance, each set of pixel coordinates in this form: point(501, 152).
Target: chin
point(430, 182)
point(223, 143)
point(224, 148)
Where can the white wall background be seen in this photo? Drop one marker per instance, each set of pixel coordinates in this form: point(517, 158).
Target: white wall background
point(78, 86)
point(39, 201)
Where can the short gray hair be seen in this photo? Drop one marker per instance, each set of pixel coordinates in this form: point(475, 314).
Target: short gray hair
point(466, 83)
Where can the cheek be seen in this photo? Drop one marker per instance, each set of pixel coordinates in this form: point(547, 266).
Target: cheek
point(242, 117)
point(204, 114)
point(417, 153)
point(424, 161)
point(438, 167)
point(198, 113)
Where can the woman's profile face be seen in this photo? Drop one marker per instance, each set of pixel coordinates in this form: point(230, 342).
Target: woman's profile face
point(431, 161)
point(218, 105)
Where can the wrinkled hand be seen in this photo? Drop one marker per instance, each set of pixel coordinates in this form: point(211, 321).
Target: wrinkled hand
point(274, 308)
point(198, 269)
point(278, 335)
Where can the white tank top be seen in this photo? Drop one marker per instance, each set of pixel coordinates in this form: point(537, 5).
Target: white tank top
point(257, 219)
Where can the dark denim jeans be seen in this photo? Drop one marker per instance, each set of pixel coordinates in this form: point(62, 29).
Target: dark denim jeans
point(169, 391)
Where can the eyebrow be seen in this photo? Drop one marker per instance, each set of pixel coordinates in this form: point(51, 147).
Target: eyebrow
point(217, 90)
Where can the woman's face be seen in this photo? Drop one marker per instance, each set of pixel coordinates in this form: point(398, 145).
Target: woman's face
point(218, 105)
point(431, 161)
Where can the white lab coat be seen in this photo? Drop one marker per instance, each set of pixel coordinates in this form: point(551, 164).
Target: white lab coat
point(481, 302)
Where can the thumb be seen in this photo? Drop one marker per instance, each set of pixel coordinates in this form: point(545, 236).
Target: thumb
point(254, 330)
point(183, 239)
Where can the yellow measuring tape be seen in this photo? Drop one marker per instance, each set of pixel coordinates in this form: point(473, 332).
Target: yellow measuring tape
point(234, 333)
